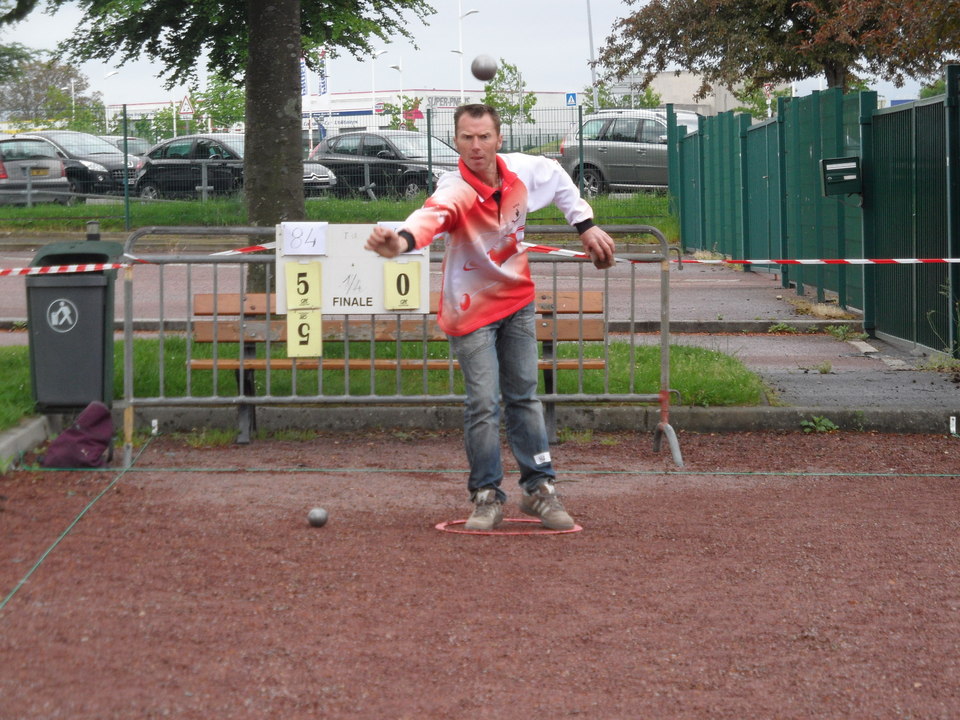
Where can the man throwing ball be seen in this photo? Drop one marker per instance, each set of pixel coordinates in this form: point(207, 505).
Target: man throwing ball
point(487, 306)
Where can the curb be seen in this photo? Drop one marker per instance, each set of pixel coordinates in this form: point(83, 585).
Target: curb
point(30, 434)
point(649, 327)
point(922, 421)
point(33, 432)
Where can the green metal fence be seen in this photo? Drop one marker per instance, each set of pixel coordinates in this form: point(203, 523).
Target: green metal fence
point(911, 208)
point(754, 191)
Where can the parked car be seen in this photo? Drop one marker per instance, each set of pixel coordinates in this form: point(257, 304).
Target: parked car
point(622, 149)
point(389, 161)
point(175, 167)
point(31, 171)
point(135, 145)
point(93, 166)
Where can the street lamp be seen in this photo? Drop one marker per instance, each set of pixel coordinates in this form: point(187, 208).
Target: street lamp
point(593, 68)
point(399, 68)
point(373, 83)
point(459, 51)
point(106, 119)
point(73, 99)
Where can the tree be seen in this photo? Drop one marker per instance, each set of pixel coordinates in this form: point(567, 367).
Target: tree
point(11, 57)
point(507, 93)
point(258, 42)
point(45, 93)
point(938, 87)
point(782, 41)
point(157, 126)
point(220, 105)
point(411, 113)
point(760, 102)
point(649, 98)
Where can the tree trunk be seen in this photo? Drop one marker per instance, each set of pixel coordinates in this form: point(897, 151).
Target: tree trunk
point(273, 158)
point(837, 75)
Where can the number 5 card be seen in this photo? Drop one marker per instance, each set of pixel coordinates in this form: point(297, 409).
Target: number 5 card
point(304, 320)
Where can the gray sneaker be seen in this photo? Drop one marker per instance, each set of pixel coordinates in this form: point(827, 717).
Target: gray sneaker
point(545, 504)
point(487, 511)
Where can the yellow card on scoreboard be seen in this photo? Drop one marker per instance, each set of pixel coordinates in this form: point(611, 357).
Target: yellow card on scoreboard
point(303, 285)
point(304, 333)
point(401, 285)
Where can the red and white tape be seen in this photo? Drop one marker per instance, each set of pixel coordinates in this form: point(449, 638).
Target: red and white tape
point(547, 250)
point(531, 247)
point(781, 261)
point(827, 261)
point(99, 267)
point(249, 249)
point(60, 269)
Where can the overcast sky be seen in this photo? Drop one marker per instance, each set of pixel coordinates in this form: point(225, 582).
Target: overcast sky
point(548, 41)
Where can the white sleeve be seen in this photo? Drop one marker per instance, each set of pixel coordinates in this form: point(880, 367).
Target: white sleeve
point(548, 184)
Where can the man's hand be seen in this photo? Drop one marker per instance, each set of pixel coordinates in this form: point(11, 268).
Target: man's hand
point(384, 241)
point(599, 246)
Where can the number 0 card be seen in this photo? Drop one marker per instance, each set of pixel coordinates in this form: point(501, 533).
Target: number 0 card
point(401, 285)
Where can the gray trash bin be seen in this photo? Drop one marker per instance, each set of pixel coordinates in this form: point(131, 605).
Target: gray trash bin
point(70, 320)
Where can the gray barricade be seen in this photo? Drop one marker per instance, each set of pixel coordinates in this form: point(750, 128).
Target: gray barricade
point(208, 348)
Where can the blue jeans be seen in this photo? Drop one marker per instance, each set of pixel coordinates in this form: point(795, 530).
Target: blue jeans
point(500, 359)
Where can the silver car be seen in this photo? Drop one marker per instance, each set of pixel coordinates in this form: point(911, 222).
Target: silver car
point(30, 172)
point(622, 149)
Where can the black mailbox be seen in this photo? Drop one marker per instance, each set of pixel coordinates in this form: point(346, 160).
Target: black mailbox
point(841, 176)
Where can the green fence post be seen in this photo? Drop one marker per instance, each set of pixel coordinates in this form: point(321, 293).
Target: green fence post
point(126, 176)
point(676, 180)
point(673, 160)
point(429, 151)
point(580, 148)
point(840, 246)
point(952, 109)
point(701, 184)
point(819, 252)
point(868, 106)
point(794, 245)
point(781, 188)
point(744, 121)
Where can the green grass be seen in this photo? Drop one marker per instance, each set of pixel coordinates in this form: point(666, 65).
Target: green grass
point(703, 377)
point(16, 401)
point(641, 208)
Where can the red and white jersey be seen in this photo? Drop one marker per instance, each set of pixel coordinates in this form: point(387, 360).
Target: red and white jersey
point(486, 275)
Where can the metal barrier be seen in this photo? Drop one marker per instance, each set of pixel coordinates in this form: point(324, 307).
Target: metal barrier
point(179, 276)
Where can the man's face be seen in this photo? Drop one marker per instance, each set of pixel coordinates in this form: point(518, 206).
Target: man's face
point(478, 141)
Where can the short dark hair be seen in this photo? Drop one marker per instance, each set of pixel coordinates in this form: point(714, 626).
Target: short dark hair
point(476, 110)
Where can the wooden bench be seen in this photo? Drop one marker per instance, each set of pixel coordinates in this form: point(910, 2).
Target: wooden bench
point(565, 316)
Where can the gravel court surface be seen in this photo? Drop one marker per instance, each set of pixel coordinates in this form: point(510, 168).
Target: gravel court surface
point(776, 575)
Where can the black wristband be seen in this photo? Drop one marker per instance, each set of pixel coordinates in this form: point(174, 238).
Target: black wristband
point(584, 225)
point(411, 241)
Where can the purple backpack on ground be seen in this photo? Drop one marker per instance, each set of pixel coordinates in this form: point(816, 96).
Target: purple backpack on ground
point(88, 442)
